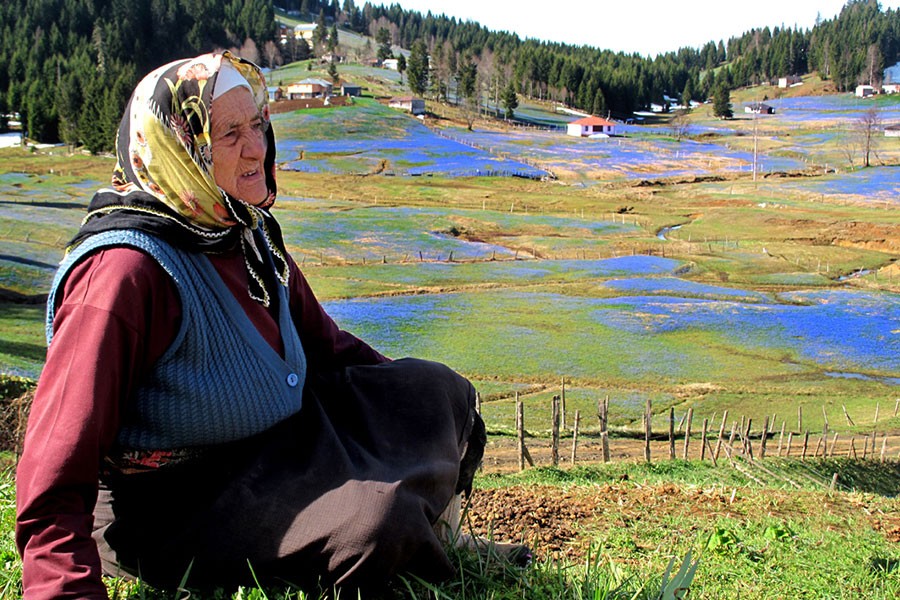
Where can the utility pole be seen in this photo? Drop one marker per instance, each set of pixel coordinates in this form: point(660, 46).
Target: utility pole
point(755, 140)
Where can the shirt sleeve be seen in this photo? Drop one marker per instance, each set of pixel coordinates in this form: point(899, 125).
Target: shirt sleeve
point(324, 342)
point(118, 313)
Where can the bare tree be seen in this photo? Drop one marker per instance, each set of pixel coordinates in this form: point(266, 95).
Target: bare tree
point(248, 51)
point(273, 54)
point(680, 123)
point(873, 65)
point(869, 126)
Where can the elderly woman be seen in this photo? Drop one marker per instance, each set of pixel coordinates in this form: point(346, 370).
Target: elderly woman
point(199, 415)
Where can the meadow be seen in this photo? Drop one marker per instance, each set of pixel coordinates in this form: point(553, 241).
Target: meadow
point(645, 269)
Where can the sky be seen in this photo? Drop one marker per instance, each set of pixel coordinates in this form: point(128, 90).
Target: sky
point(646, 27)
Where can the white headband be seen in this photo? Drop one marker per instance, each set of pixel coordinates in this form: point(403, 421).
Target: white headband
point(228, 79)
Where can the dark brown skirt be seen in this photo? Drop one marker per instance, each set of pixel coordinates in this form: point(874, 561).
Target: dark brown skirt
point(344, 493)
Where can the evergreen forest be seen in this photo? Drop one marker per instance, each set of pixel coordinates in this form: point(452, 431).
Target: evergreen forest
point(68, 66)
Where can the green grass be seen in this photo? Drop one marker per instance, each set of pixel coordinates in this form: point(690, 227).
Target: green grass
point(23, 346)
point(774, 539)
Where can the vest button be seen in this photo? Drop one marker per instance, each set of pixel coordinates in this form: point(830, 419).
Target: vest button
point(293, 380)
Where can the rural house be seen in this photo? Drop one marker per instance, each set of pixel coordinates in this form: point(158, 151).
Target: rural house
point(390, 63)
point(305, 31)
point(892, 131)
point(890, 88)
point(591, 126)
point(309, 88)
point(789, 81)
point(759, 108)
point(864, 91)
point(415, 106)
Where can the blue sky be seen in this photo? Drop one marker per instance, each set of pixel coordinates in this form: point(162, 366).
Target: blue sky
point(648, 27)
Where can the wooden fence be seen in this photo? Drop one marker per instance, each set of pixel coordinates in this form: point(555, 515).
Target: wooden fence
point(726, 439)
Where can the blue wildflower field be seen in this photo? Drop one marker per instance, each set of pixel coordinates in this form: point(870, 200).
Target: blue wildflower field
point(637, 337)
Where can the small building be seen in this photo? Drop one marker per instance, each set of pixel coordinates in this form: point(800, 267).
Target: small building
point(275, 93)
point(864, 91)
point(390, 63)
point(591, 126)
point(305, 31)
point(350, 89)
point(890, 88)
point(309, 88)
point(892, 131)
point(332, 57)
point(789, 81)
point(759, 108)
point(412, 105)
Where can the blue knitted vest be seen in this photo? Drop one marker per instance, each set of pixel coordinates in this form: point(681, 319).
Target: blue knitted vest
point(219, 381)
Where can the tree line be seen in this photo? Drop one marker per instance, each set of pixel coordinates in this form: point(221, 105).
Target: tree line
point(67, 66)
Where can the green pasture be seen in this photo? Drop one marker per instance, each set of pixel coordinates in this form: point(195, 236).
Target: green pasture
point(514, 325)
point(761, 531)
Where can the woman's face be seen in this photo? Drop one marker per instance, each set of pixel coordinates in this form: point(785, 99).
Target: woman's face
point(238, 141)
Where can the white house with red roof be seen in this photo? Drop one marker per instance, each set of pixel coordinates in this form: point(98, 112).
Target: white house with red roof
point(591, 126)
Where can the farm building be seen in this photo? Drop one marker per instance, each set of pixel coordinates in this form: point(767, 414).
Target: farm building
point(351, 89)
point(890, 88)
point(790, 80)
point(390, 63)
point(864, 91)
point(591, 126)
point(309, 88)
point(759, 108)
point(892, 131)
point(415, 106)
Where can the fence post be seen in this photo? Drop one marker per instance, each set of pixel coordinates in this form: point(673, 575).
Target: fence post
point(648, 413)
point(847, 415)
point(703, 443)
point(604, 428)
point(721, 434)
point(805, 445)
point(671, 433)
point(799, 418)
point(883, 448)
point(790, 441)
point(687, 432)
point(747, 444)
point(764, 439)
point(781, 438)
point(562, 406)
point(575, 427)
point(520, 431)
point(554, 428)
point(833, 444)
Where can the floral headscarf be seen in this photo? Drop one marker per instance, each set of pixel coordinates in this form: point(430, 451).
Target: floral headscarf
point(164, 179)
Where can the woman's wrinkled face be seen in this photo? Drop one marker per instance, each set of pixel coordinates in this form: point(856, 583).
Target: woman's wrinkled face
point(238, 141)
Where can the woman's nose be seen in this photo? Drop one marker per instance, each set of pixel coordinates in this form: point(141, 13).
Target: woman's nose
point(254, 143)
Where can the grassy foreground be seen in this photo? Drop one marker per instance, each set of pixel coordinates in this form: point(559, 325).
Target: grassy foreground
point(772, 531)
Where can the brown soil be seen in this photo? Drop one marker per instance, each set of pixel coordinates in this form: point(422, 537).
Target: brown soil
point(563, 522)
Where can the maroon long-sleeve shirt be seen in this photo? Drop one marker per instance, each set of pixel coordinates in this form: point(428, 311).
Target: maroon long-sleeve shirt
point(118, 314)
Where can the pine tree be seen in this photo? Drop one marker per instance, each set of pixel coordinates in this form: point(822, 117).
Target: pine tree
point(401, 66)
point(417, 67)
point(510, 100)
point(722, 101)
point(383, 39)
